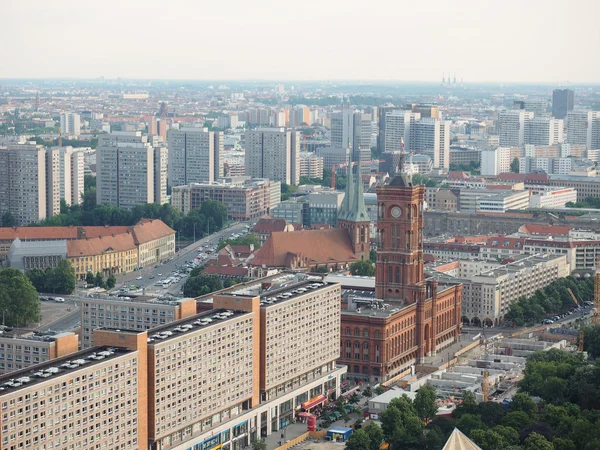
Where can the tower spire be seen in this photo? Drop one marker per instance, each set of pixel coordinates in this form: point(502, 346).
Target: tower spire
point(358, 211)
point(348, 196)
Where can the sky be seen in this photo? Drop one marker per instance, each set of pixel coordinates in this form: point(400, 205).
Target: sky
point(537, 41)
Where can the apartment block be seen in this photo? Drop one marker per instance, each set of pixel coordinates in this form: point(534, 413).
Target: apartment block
point(431, 137)
point(126, 170)
point(397, 128)
point(551, 198)
point(559, 166)
point(464, 156)
point(53, 182)
point(244, 197)
point(131, 313)
point(489, 288)
point(19, 351)
point(161, 156)
point(311, 165)
point(583, 128)
point(511, 127)
point(71, 175)
point(497, 161)
point(273, 153)
point(544, 131)
point(70, 123)
point(334, 156)
point(192, 156)
point(23, 185)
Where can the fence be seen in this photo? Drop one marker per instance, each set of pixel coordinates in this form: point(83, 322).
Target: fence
point(302, 438)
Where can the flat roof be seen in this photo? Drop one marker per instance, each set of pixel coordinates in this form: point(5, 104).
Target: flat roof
point(147, 299)
point(282, 291)
point(48, 370)
point(176, 329)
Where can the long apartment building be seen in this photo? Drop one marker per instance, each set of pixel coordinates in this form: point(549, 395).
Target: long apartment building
point(489, 287)
point(130, 313)
point(273, 153)
point(244, 197)
point(130, 171)
point(218, 379)
point(194, 156)
point(311, 165)
point(34, 179)
point(583, 128)
point(19, 351)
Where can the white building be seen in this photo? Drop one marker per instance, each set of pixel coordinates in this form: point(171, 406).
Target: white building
point(558, 166)
point(70, 123)
point(311, 165)
point(500, 202)
point(273, 153)
point(583, 128)
point(194, 155)
point(71, 175)
point(351, 129)
point(549, 197)
point(497, 161)
point(511, 127)
point(431, 137)
point(544, 131)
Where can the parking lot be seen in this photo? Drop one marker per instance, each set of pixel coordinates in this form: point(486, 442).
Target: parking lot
point(52, 311)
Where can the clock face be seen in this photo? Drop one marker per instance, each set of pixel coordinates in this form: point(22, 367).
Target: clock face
point(396, 211)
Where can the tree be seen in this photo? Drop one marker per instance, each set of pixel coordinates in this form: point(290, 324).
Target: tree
point(99, 280)
point(359, 440)
point(425, 402)
point(249, 239)
point(522, 402)
point(373, 256)
point(488, 439)
point(38, 279)
point(89, 279)
point(362, 268)
point(61, 279)
point(514, 165)
point(491, 413)
point(259, 445)
point(8, 220)
point(516, 420)
point(287, 190)
point(111, 281)
point(201, 285)
point(469, 422)
point(536, 441)
point(322, 269)
point(375, 434)
point(19, 301)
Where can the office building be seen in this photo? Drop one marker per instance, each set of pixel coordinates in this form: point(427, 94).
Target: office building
point(464, 156)
point(323, 208)
point(334, 156)
point(70, 124)
point(161, 159)
point(131, 313)
point(19, 351)
point(535, 106)
point(558, 166)
point(350, 129)
point(544, 131)
point(511, 127)
point(489, 288)
point(126, 175)
point(273, 153)
point(563, 101)
point(381, 125)
point(431, 137)
point(397, 129)
point(23, 185)
point(495, 162)
point(495, 202)
point(311, 165)
point(551, 198)
point(245, 198)
point(193, 156)
point(293, 211)
point(583, 128)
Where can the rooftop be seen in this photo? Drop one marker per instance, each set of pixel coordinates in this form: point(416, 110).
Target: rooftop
point(57, 367)
point(10, 334)
point(136, 299)
point(281, 292)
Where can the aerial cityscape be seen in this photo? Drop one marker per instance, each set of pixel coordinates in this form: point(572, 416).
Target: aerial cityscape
point(342, 242)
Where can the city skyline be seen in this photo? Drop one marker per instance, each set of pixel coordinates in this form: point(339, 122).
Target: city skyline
point(475, 43)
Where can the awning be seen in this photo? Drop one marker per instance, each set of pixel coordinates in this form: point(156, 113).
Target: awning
point(351, 391)
point(305, 414)
point(314, 402)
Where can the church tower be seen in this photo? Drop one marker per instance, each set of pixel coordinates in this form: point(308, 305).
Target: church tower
point(353, 215)
point(399, 266)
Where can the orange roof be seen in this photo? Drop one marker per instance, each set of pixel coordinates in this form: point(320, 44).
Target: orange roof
point(312, 246)
point(147, 230)
point(229, 271)
point(267, 225)
point(42, 233)
point(100, 245)
point(545, 230)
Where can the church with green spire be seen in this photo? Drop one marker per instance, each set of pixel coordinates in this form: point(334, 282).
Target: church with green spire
point(353, 215)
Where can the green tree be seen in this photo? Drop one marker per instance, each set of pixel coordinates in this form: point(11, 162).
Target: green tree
point(111, 281)
point(373, 256)
point(201, 285)
point(19, 301)
point(522, 402)
point(514, 165)
point(425, 402)
point(8, 220)
point(287, 190)
point(99, 280)
point(536, 441)
point(516, 420)
point(322, 269)
point(90, 279)
point(89, 181)
point(469, 422)
point(38, 279)
point(488, 439)
point(259, 445)
point(363, 268)
point(62, 278)
point(491, 413)
point(64, 208)
point(249, 239)
point(359, 440)
point(375, 434)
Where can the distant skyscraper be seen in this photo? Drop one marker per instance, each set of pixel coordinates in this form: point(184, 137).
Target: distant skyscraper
point(511, 127)
point(543, 131)
point(431, 137)
point(192, 156)
point(381, 125)
point(583, 128)
point(53, 182)
point(562, 102)
point(71, 169)
point(125, 173)
point(273, 153)
point(350, 129)
point(70, 123)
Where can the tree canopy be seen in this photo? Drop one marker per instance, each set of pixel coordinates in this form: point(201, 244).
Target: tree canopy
point(201, 284)
point(249, 239)
point(59, 280)
point(363, 268)
point(19, 301)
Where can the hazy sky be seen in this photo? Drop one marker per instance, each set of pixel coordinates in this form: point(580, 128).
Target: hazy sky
point(481, 40)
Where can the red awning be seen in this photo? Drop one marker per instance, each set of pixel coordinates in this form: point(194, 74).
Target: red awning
point(351, 391)
point(305, 414)
point(314, 402)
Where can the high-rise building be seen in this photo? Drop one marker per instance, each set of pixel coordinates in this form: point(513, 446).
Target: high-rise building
point(495, 162)
point(70, 123)
point(311, 165)
point(583, 128)
point(563, 101)
point(192, 156)
point(382, 124)
point(273, 153)
point(431, 137)
point(161, 158)
point(543, 131)
point(23, 184)
point(535, 106)
point(53, 182)
point(126, 170)
point(71, 175)
point(511, 127)
point(397, 129)
point(333, 156)
point(350, 129)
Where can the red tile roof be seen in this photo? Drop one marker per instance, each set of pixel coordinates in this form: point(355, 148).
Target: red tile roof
point(229, 271)
point(545, 230)
point(306, 247)
point(506, 242)
point(267, 225)
point(100, 245)
point(147, 230)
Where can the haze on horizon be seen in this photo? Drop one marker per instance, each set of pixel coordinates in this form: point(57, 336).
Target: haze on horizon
point(532, 41)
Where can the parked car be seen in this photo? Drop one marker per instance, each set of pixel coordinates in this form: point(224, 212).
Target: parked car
point(139, 278)
point(59, 299)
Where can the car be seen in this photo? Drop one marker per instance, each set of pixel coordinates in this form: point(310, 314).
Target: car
point(43, 299)
point(151, 277)
point(59, 299)
point(139, 278)
point(156, 266)
point(159, 274)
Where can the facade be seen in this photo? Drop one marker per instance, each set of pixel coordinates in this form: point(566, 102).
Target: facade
point(558, 166)
point(323, 208)
point(442, 199)
point(293, 211)
point(23, 185)
point(31, 255)
point(583, 128)
point(489, 288)
point(497, 161)
point(511, 127)
point(160, 174)
point(431, 137)
point(71, 175)
point(245, 198)
point(464, 156)
point(273, 153)
point(126, 170)
point(551, 198)
point(333, 156)
point(21, 351)
point(500, 202)
point(544, 131)
point(311, 165)
point(563, 101)
point(266, 225)
point(135, 313)
point(53, 182)
point(70, 123)
point(585, 186)
point(352, 130)
point(193, 156)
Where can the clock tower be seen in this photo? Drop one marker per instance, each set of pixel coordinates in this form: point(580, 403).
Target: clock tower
point(399, 266)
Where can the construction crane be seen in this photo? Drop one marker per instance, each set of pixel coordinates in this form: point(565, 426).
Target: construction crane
point(581, 333)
